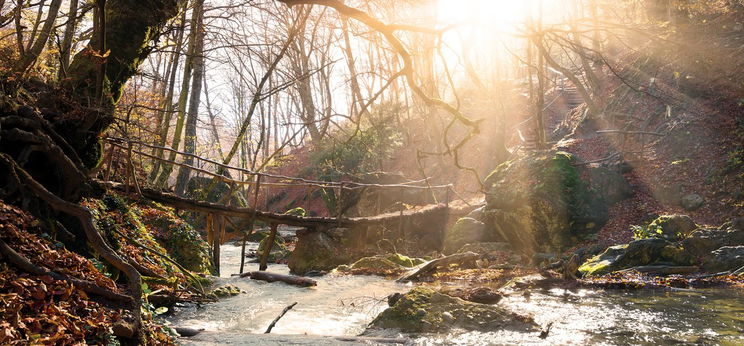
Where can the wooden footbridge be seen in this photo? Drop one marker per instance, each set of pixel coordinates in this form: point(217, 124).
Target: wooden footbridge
point(134, 153)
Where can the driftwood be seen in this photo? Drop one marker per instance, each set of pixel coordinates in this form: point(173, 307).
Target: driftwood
point(273, 323)
point(665, 270)
point(273, 277)
point(431, 267)
point(86, 286)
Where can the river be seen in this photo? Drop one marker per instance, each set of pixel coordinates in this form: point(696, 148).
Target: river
point(343, 305)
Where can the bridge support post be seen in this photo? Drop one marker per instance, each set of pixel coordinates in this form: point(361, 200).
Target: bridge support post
point(267, 250)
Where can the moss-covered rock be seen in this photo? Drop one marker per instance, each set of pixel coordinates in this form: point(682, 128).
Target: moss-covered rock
point(727, 258)
point(703, 241)
point(321, 250)
point(404, 260)
point(636, 253)
point(423, 310)
point(226, 291)
point(182, 241)
point(376, 265)
point(539, 203)
point(466, 230)
point(669, 227)
point(124, 222)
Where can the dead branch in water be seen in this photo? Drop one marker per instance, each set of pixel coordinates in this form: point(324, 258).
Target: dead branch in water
point(433, 266)
point(273, 323)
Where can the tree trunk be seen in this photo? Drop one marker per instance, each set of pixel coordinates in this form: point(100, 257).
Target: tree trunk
point(182, 101)
point(64, 54)
point(168, 98)
point(196, 88)
point(131, 28)
point(34, 51)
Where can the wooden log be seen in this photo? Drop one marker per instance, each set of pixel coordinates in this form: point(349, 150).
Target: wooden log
point(283, 219)
point(665, 270)
point(432, 266)
point(274, 277)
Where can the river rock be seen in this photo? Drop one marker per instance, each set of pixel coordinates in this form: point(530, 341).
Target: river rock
point(538, 203)
point(636, 253)
point(466, 230)
point(692, 202)
point(279, 251)
point(703, 241)
point(377, 265)
point(725, 258)
point(318, 250)
point(423, 310)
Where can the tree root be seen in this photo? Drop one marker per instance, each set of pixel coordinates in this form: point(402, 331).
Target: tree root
point(92, 234)
point(86, 286)
point(172, 261)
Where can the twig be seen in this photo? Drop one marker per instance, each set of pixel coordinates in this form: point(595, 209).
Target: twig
point(273, 323)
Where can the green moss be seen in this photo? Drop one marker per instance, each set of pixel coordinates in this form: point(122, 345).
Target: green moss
point(425, 310)
point(404, 260)
point(540, 204)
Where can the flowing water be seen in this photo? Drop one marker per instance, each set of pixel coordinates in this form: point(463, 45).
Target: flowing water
point(343, 305)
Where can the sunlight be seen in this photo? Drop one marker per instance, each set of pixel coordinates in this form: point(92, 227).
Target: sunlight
point(502, 14)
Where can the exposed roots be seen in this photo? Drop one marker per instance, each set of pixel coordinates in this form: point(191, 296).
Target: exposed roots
point(94, 237)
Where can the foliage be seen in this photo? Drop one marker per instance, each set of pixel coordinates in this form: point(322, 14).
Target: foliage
point(364, 151)
point(646, 231)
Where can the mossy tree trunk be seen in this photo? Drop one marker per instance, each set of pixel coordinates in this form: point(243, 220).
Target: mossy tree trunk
point(132, 26)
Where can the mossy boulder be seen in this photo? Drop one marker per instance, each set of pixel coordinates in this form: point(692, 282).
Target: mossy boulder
point(539, 203)
point(321, 250)
point(182, 241)
point(126, 225)
point(636, 253)
point(671, 227)
point(226, 291)
point(404, 260)
point(376, 265)
point(423, 310)
point(466, 230)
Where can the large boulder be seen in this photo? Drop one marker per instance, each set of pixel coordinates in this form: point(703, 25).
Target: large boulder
point(672, 227)
point(321, 250)
point(725, 258)
point(703, 241)
point(539, 203)
point(609, 182)
point(636, 253)
point(465, 231)
point(423, 310)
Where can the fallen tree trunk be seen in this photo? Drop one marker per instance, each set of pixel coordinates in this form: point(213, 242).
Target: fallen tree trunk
point(273, 277)
point(431, 267)
point(664, 270)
